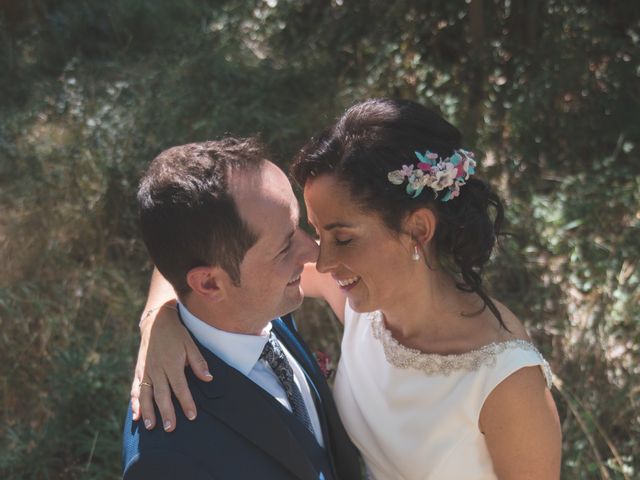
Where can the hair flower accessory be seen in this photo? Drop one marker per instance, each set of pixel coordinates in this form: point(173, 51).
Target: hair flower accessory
point(437, 173)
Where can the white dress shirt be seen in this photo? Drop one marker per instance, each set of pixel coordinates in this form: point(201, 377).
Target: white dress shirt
point(242, 352)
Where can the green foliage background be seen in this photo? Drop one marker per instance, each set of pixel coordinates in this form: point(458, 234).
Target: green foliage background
point(548, 93)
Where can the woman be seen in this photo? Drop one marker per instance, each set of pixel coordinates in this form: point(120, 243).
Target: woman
point(436, 379)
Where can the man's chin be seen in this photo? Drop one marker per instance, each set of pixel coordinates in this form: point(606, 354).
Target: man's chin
point(291, 305)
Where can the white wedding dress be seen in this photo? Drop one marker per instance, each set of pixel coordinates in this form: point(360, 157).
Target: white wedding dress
point(414, 416)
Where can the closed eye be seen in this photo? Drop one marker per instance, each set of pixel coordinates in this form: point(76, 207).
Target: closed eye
point(343, 242)
point(285, 249)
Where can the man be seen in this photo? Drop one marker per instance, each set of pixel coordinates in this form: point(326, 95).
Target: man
point(221, 225)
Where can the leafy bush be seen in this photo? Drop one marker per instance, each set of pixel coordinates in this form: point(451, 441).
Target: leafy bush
point(92, 91)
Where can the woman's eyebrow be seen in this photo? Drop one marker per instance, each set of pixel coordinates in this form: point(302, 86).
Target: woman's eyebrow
point(333, 225)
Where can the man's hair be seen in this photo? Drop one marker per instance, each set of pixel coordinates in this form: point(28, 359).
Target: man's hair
point(188, 216)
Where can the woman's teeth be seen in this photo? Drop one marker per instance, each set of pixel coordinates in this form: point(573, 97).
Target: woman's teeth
point(348, 281)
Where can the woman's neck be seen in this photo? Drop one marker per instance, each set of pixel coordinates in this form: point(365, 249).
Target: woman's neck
point(430, 310)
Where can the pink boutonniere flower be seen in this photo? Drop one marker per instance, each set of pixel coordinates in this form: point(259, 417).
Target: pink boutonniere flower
point(325, 364)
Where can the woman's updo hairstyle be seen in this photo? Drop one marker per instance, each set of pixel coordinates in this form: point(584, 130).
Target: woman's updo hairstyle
point(378, 136)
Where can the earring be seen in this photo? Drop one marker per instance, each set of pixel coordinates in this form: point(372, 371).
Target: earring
point(416, 255)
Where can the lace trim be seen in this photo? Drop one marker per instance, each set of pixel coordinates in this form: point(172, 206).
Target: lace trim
point(437, 364)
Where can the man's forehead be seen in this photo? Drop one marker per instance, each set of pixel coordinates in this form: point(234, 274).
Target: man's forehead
point(261, 179)
point(265, 200)
point(274, 218)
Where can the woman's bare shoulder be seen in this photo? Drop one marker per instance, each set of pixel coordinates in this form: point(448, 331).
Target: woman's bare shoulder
point(515, 327)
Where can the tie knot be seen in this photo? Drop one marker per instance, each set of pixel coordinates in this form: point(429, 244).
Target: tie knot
point(272, 350)
point(277, 360)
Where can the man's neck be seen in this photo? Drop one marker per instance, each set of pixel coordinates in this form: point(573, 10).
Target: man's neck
point(223, 318)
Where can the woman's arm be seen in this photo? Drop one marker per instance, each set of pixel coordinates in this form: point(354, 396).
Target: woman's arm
point(165, 348)
point(522, 429)
point(160, 293)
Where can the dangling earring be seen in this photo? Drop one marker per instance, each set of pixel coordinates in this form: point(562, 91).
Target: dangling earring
point(416, 255)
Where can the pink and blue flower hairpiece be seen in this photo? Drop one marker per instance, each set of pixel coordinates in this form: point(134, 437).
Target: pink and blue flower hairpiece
point(437, 173)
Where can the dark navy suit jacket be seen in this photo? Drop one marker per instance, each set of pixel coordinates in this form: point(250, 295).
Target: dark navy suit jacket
point(241, 432)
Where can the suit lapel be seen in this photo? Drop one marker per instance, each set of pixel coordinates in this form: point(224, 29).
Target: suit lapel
point(300, 351)
point(342, 453)
point(250, 411)
point(315, 378)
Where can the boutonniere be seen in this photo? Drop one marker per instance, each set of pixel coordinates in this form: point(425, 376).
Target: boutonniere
point(325, 364)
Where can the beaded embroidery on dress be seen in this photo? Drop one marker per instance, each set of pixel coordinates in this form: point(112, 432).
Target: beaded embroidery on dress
point(437, 364)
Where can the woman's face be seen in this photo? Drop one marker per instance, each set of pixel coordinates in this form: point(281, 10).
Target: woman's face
point(371, 264)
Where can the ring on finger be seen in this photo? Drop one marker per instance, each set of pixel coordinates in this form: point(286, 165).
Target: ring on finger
point(146, 384)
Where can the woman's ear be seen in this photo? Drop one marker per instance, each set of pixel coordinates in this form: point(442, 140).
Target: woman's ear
point(421, 225)
point(209, 282)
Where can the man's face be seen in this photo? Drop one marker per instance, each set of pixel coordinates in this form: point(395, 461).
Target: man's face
point(270, 271)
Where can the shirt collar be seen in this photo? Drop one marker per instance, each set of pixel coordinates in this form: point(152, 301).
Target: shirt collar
point(237, 350)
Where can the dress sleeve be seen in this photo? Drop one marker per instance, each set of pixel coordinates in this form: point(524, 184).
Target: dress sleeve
point(509, 362)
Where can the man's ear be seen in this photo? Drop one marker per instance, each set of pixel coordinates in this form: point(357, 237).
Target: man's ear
point(421, 225)
point(209, 282)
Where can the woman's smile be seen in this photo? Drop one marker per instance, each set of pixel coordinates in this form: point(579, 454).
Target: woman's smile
point(347, 284)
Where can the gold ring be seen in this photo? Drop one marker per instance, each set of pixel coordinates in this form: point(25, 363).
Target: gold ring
point(146, 384)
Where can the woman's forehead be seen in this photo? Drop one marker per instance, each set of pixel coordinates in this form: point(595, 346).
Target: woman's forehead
point(329, 201)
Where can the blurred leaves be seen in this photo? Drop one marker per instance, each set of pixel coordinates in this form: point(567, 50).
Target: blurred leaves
point(91, 91)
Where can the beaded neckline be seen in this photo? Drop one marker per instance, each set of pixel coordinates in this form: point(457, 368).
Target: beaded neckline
point(444, 364)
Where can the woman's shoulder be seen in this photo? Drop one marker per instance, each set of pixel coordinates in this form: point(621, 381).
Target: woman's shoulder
point(515, 329)
point(513, 351)
point(516, 360)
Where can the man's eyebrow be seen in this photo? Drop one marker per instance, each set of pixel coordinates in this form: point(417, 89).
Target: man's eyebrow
point(333, 225)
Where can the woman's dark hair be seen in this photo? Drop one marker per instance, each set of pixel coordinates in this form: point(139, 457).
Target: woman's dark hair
point(377, 136)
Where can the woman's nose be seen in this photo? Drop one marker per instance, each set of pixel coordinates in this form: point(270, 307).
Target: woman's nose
point(309, 248)
point(325, 262)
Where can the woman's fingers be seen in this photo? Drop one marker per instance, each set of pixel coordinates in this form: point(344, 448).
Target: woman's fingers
point(197, 362)
point(135, 409)
point(135, 398)
point(145, 401)
point(165, 349)
point(162, 397)
point(136, 384)
point(178, 383)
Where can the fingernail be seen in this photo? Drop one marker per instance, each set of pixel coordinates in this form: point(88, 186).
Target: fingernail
point(147, 423)
point(167, 424)
point(191, 415)
point(207, 373)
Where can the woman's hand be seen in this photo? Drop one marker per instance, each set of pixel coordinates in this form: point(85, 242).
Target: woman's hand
point(165, 349)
